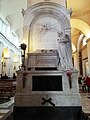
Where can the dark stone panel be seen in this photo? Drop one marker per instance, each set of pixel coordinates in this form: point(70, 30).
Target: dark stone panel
point(47, 83)
point(46, 68)
point(47, 113)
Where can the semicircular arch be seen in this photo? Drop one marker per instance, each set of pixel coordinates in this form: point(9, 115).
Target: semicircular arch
point(82, 26)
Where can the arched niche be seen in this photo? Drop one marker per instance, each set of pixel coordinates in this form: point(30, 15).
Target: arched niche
point(6, 53)
point(47, 19)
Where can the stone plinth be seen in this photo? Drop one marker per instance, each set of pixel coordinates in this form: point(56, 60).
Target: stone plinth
point(28, 97)
point(36, 104)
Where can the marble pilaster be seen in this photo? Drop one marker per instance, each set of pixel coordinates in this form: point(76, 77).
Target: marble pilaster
point(88, 52)
point(11, 63)
point(6, 68)
point(76, 65)
point(25, 37)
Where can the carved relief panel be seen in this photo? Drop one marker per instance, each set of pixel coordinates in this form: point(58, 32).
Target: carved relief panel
point(44, 21)
point(45, 33)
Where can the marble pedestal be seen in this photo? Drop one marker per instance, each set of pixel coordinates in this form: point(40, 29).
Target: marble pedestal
point(35, 104)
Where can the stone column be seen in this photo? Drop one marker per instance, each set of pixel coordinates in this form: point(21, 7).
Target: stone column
point(6, 62)
point(11, 63)
point(6, 67)
point(26, 40)
point(88, 52)
point(1, 48)
point(76, 64)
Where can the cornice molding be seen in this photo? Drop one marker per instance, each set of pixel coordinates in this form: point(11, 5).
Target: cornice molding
point(80, 13)
point(6, 42)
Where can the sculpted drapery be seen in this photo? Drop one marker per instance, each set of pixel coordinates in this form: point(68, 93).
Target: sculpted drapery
point(64, 51)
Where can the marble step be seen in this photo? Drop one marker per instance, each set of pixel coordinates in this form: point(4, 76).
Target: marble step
point(6, 109)
point(4, 113)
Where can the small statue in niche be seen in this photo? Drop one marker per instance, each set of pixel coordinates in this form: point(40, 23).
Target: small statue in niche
point(64, 51)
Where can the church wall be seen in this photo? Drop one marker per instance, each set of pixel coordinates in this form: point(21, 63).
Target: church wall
point(6, 66)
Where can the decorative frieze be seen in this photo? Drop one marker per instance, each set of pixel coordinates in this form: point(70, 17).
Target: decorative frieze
point(33, 2)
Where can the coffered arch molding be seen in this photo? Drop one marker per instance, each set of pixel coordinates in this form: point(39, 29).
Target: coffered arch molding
point(53, 10)
point(45, 7)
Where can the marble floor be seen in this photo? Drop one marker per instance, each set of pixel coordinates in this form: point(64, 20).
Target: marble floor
point(7, 108)
point(85, 102)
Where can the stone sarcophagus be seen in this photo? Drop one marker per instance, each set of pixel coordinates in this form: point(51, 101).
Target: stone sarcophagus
point(48, 88)
point(43, 59)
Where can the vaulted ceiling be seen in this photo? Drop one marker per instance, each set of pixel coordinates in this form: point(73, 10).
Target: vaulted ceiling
point(10, 10)
point(80, 18)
